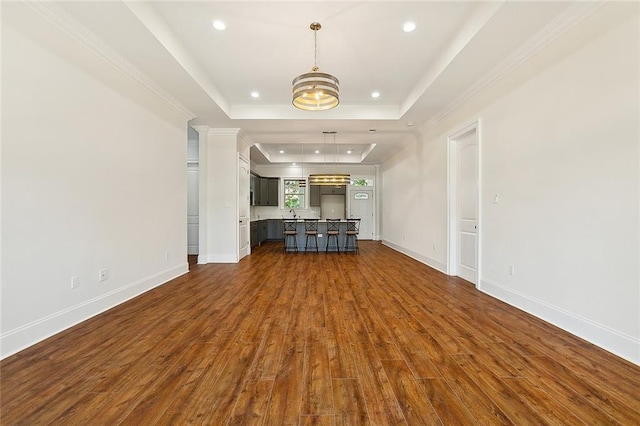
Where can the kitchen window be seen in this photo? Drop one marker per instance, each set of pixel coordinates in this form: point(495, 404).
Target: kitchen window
point(361, 182)
point(294, 190)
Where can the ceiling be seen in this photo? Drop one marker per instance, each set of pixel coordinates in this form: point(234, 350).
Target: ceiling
point(421, 76)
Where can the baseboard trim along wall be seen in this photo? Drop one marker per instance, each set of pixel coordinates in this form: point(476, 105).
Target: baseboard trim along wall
point(620, 344)
point(218, 258)
point(435, 264)
point(27, 335)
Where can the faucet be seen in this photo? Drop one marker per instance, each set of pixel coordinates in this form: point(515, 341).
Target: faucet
point(294, 213)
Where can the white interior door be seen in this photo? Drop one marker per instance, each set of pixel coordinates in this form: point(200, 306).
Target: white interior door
point(193, 213)
point(244, 178)
point(467, 207)
point(361, 206)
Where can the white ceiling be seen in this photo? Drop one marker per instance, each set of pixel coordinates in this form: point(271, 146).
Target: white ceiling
point(456, 48)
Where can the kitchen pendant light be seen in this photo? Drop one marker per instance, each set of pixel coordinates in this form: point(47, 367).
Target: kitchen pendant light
point(335, 179)
point(331, 179)
point(315, 91)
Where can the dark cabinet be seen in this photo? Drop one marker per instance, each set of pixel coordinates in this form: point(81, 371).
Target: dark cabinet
point(263, 230)
point(276, 229)
point(333, 190)
point(264, 192)
point(268, 192)
point(254, 190)
point(314, 196)
point(274, 184)
point(253, 230)
point(259, 232)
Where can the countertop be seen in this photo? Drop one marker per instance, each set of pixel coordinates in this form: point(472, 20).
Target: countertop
point(290, 218)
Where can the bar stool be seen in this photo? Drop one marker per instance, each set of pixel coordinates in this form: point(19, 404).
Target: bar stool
point(310, 230)
point(290, 231)
point(353, 227)
point(333, 230)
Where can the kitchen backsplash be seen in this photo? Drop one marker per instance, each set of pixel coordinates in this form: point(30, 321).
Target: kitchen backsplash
point(268, 212)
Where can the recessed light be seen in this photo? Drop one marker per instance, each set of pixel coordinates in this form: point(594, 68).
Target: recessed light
point(407, 27)
point(348, 151)
point(375, 94)
point(255, 94)
point(317, 151)
point(410, 123)
point(282, 151)
point(293, 164)
point(219, 25)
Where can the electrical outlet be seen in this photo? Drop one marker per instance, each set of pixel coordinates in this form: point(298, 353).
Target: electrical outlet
point(75, 282)
point(166, 255)
point(103, 274)
point(512, 270)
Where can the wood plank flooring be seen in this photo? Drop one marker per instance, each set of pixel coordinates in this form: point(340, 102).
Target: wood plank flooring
point(328, 339)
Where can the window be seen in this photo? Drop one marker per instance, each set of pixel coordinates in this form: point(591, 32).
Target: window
point(361, 182)
point(294, 190)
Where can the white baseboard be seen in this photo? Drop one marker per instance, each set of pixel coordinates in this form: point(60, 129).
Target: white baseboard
point(218, 258)
point(622, 345)
point(435, 264)
point(27, 335)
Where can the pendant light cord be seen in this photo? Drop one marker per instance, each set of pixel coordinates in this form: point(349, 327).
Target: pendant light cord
point(315, 50)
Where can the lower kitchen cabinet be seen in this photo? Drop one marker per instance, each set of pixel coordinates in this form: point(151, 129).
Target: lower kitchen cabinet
point(276, 229)
point(263, 230)
point(253, 231)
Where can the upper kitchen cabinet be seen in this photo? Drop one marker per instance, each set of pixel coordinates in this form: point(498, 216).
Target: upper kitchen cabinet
point(268, 192)
point(254, 190)
point(274, 184)
point(333, 190)
point(263, 199)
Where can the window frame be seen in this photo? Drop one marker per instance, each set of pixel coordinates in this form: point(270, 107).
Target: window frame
point(302, 196)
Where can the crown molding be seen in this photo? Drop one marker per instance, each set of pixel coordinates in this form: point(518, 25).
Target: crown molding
point(566, 20)
point(65, 22)
point(245, 139)
point(230, 131)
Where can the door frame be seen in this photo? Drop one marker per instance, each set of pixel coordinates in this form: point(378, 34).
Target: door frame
point(350, 190)
point(193, 166)
point(247, 224)
point(452, 200)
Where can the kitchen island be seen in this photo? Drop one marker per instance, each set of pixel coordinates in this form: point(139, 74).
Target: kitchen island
point(301, 237)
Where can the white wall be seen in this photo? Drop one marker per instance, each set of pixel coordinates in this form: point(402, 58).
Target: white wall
point(93, 176)
point(559, 143)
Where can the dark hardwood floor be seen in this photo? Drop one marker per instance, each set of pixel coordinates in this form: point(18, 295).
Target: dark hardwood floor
point(280, 339)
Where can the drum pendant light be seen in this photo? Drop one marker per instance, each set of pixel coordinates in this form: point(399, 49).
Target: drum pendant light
point(316, 91)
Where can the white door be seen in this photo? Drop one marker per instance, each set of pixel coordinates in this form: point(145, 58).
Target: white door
point(192, 209)
point(467, 207)
point(361, 206)
point(244, 178)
